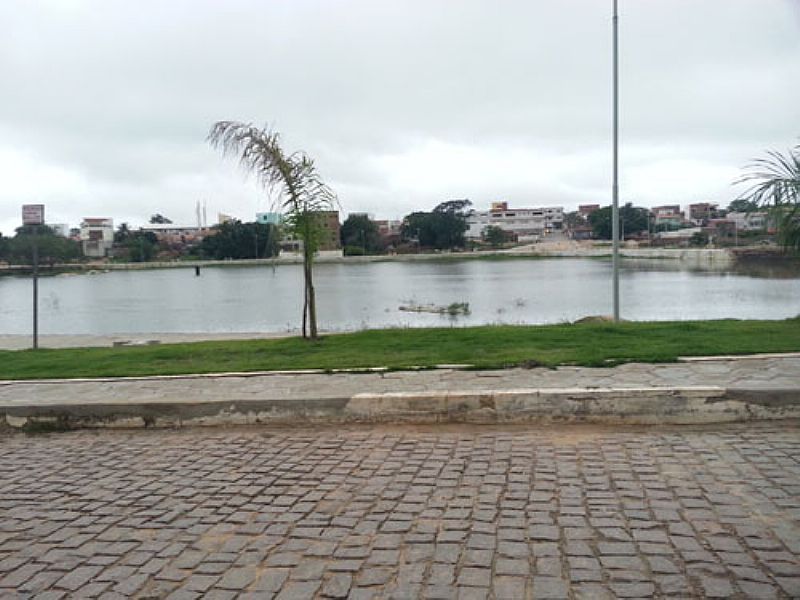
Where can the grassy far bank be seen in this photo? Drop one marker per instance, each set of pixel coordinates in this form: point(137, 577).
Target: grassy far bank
point(488, 347)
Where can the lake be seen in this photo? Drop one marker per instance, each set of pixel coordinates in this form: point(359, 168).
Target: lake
point(368, 295)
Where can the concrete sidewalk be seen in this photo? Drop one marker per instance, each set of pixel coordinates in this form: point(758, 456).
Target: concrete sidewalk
point(698, 390)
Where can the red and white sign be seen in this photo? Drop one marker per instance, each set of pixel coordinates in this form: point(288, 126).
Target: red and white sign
point(33, 214)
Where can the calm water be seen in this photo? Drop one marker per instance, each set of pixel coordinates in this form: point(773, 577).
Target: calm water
point(355, 296)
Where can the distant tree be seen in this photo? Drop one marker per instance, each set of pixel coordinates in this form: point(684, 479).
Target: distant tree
point(4, 248)
point(122, 233)
point(453, 206)
point(443, 228)
point(494, 236)
point(574, 219)
point(237, 240)
point(742, 205)
point(359, 231)
point(140, 246)
point(159, 219)
point(699, 239)
point(633, 220)
point(775, 184)
point(304, 195)
point(52, 248)
point(452, 223)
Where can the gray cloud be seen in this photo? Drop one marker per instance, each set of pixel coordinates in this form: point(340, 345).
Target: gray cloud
point(106, 103)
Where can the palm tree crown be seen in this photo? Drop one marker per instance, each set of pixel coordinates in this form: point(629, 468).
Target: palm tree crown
point(294, 176)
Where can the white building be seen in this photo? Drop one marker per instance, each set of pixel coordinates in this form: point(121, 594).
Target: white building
point(97, 236)
point(748, 221)
point(528, 224)
point(171, 233)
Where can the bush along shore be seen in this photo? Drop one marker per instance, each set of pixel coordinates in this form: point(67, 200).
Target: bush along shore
point(486, 347)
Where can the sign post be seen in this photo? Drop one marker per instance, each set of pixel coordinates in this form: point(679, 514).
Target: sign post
point(33, 216)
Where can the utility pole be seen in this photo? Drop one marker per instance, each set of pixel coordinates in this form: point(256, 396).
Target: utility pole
point(35, 287)
point(33, 217)
point(615, 184)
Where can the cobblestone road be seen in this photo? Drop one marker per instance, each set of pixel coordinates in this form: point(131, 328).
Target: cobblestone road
point(448, 512)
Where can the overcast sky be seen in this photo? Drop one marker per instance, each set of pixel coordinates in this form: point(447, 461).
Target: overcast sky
point(105, 104)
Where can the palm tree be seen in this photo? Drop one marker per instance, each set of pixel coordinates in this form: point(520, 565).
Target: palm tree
point(775, 183)
point(303, 195)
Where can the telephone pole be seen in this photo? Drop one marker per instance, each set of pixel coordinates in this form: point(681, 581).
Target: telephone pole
point(615, 184)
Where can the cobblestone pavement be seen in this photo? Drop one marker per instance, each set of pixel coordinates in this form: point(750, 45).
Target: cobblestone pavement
point(406, 512)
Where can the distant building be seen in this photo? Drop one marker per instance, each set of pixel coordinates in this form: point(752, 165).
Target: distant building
point(269, 218)
point(586, 209)
point(97, 236)
point(223, 218)
point(680, 237)
point(669, 216)
point(580, 232)
point(749, 221)
point(177, 235)
point(331, 230)
point(388, 227)
point(527, 224)
point(701, 212)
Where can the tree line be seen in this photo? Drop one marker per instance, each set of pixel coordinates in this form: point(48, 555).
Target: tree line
point(51, 247)
point(442, 228)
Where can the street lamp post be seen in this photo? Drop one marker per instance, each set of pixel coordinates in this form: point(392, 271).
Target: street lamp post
point(35, 287)
point(615, 184)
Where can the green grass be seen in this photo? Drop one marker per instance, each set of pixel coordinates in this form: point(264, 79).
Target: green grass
point(489, 347)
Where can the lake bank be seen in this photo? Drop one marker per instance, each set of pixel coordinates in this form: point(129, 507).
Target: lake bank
point(699, 256)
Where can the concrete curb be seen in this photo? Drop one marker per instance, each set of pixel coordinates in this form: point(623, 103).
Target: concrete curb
point(644, 405)
point(352, 371)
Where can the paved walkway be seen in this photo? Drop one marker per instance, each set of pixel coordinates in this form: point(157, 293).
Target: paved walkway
point(743, 373)
point(388, 512)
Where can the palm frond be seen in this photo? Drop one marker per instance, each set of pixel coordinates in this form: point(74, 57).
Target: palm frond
point(259, 151)
point(774, 180)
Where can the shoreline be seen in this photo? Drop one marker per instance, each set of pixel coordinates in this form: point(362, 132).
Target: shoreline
point(23, 341)
point(710, 256)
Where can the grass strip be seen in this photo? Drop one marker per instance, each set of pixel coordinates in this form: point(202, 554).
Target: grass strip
point(486, 347)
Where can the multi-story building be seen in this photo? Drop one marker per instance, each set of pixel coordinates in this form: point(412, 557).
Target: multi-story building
point(749, 221)
point(389, 230)
point(330, 238)
point(667, 217)
point(701, 212)
point(585, 210)
point(527, 224)
point(269, 218)
point(97, 236)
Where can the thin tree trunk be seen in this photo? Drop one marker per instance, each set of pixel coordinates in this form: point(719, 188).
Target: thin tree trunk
point(305, 301)
point(312, 306)
point(306, 278)
point(311, 299)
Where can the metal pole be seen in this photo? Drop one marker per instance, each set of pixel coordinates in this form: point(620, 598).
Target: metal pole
point(35, 289)
point(615, 184)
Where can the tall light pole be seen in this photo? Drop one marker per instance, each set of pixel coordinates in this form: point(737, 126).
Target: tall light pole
point(615, 184)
